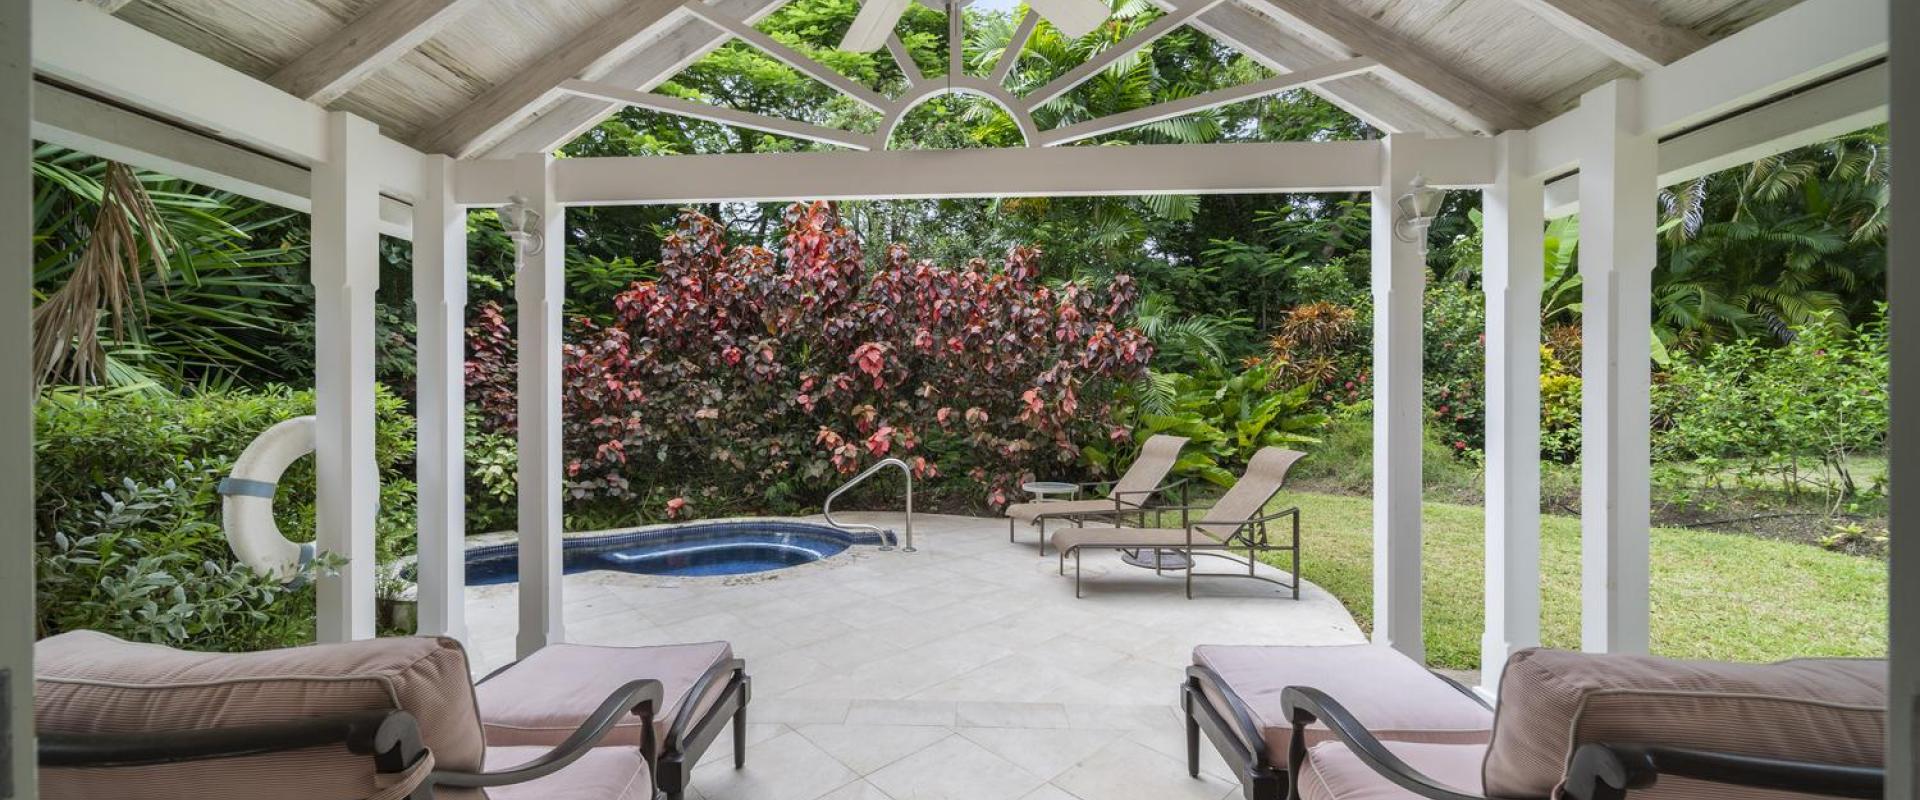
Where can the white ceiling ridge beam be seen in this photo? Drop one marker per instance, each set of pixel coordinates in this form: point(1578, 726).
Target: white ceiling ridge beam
point(742, 30)
point(1627, 31)
point(364, 46)
point(1000, 172)
point(1409, 63)
point(724, 116)
point(1205, 101)
point(904, 59)
point(1262, 38)
point(1015, 45)
point(1798, 47)
point(111, 6)
point(510, 101)
point(1159, 27)
point(77, 45)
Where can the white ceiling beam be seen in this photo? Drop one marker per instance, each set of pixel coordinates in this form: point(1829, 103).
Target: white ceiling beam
point(370, 42)
point(1085, 71)
point(1002, 172)
point(111, 6)
point(1627, 31)
point(1409, 63)
point(744, 31)
point(1011, 56)
point(1808, 117)
point(108, 131)
point(1263, 39)
point(904, 59)
point(508, 102)
point(724, 116)
point(1204, 101)
point(1798, 47)
point(77, 45)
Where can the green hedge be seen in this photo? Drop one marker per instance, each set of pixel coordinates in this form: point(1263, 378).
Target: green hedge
point(128, 520)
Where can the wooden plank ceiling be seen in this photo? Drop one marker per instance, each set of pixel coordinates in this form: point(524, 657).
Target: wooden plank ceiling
point(482, 77)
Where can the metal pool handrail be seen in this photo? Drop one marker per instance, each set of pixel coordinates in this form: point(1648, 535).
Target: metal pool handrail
point(826, 510)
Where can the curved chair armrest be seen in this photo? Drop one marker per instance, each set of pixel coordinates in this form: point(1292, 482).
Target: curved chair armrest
point(684, 719)
point(1304, 705)
point(636, 697)
point(392, 737)
point(1237, 711)
point(1608, 771)
point(1463, 689)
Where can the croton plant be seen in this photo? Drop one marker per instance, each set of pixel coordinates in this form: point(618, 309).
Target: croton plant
point(746, 373)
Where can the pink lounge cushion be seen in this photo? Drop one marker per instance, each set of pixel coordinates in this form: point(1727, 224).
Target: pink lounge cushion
point(1552, 701)
point(91, 683)
point(545, 696)
point(1394, 697)
point(1333, 772)
point(604, 773)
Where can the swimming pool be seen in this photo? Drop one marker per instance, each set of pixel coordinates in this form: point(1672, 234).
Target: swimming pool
point(731, 547)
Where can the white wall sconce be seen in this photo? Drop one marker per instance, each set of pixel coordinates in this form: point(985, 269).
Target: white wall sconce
point(523, 225)
point(1415, 210)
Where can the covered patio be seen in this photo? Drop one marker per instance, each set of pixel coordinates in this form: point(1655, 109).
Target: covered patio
point(394, 118)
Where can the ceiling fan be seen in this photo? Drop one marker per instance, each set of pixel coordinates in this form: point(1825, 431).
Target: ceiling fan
point(877, 18)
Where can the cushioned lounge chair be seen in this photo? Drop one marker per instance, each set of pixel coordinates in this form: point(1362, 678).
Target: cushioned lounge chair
point(1571, 725)
point(1234, 522)
point(384, 719)
point(1129, 494)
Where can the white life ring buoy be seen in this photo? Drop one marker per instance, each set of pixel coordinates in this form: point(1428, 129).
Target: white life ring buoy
point(247, 500)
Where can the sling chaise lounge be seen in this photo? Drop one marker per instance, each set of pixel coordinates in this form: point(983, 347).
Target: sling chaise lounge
point(1234, 522)
point(1129, 494)
point(1580, 726)
point(382, 719)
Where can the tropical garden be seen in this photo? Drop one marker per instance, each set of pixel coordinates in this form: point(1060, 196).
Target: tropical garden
point(745, 358)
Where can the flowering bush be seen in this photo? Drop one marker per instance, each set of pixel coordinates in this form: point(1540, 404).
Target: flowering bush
point(741, 371)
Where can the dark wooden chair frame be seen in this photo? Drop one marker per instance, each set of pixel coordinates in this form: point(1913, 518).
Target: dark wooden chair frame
point(1121, 508)
point(390, 738)
point(1597, 771)
point(1233, 731)
point(688, 739)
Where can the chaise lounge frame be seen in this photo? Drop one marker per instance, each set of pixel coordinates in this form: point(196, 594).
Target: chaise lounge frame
point(1232, 731)
point(1597, 771)
point(688, 739)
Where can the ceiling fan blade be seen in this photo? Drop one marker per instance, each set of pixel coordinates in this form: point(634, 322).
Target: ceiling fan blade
point(873, 25)
point(1073, 18)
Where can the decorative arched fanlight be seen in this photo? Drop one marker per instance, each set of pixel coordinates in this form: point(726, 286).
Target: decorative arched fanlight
point(877, 18)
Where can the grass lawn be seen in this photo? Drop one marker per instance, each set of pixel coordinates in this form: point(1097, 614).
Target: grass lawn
point(1715, 595)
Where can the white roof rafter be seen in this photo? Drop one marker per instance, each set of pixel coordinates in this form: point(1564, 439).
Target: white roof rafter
point(1202, 102)
point(1160, 27)
point(1627, 31)
point(725, 116)
point(789, 56)
point(371, 41)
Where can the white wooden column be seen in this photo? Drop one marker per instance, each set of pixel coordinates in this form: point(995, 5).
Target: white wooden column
point(1618, 188)
point(1512, 271)
point(440, 301)
point(1903, 443)
point(1399, 285)
point(538, 289)
point(346, 273)
point(16, 400)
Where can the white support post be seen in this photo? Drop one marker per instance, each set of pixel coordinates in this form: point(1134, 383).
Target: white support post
point(16, 404)
point(440, 301)
point(538, 289)
point(1399, 288)
point(346, 273)
point(1512, 271)
point(1903, 442)
point(1618, 188)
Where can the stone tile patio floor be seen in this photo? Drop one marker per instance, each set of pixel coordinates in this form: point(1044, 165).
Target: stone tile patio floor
point(965, 671)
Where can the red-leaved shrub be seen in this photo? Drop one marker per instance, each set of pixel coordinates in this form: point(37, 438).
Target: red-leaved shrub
point(755, 379)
